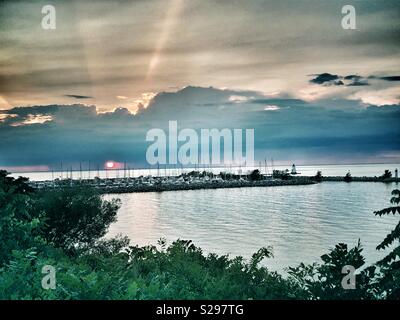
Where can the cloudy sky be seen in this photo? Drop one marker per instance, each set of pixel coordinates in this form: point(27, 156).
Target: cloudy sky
point(281, 67)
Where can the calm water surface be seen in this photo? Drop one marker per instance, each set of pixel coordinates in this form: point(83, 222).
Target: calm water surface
point(300, 222)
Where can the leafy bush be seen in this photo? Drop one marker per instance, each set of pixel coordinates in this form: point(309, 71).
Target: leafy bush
point(324, 281)
point(348, 177)
point(66, 229)
point(19, 228)
point(75, 218)
point(255, 175)
point(318, 176)
point(386, 175)
point(389, 277)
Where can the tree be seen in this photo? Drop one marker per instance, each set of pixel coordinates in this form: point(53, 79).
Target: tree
point(76, 218)
point(395, 234)
point(20, 225)
point(14, 186)
point(255, 175)
point(281, 174)
point(318, 176)
point(348, 177)
point(387, 175)
point(390, 264)
point(324, 281)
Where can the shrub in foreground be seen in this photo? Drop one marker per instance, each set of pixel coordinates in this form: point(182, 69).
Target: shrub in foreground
point(65, 229)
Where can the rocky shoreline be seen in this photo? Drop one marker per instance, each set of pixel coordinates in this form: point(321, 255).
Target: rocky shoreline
point(358, 179)
point(206, 185)
point(162, 184)
point(130, 186)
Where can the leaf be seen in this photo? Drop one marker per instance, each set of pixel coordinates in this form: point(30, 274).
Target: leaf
point(390, 238)
point(387, 211)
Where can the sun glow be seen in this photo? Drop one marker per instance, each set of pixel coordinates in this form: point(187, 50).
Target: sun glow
point(174, 8)
point(31, 119)
point(145, 99)
point(110, 164)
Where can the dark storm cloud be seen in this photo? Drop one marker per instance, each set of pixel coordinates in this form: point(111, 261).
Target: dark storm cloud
point(75, 110)
point(391, 78)
point(75, 96)
point(356, 80)
point(327, 79)
point(51, 113)
point(295, 130)
point(104, 50)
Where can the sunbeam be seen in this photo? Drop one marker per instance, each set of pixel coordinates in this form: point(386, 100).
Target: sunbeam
point(175, 7)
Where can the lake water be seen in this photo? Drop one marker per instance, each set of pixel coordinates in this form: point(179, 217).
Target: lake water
point(300, 222)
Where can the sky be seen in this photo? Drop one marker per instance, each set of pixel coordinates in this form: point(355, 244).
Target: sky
point(110, 70)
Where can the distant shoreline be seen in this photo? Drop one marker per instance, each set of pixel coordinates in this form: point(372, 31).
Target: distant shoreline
point(190, 168)
point(358, 179)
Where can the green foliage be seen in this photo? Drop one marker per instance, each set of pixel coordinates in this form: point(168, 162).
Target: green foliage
point(394, 236)
point(14, 186)
point(318, 176)
point(386, 175)
point(76, 218)
point(281, 174)
point(255, 175)
point(66, 228)
point(348, 177)
point(19, 228)
point(389, 278)
point(181, 271)
point(324, 281)
point(227, 176)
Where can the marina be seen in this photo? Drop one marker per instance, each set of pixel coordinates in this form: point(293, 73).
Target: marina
point(193, 180)
point(190, 181)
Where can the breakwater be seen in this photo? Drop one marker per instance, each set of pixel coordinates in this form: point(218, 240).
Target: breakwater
point(205, 185)
point(158, 184)
point(190, 182)
point(358, 179)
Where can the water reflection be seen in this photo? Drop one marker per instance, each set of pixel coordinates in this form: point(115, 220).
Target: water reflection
point(300, 222)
